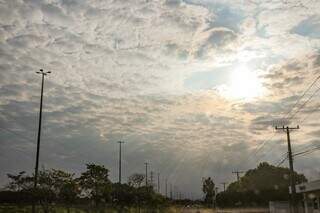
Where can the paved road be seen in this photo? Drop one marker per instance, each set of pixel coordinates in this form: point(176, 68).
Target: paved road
point(190, 210)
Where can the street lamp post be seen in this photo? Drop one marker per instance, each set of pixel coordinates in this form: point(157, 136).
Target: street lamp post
point(42, 73)
point(120, 142)
point(146, 164)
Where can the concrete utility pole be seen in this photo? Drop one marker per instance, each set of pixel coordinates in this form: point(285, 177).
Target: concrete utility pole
point(159, 182)
point(151, 179)
point(42, 73)
point(292, 176)
point(166, 187)
point(224, 186)
point(146, 173)
point(238, 174)
point(120, 142)
point(216, 190)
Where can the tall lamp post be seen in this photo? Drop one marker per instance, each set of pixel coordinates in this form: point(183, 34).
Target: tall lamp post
point(146, 164)
point(43, 74)
point(120, 142)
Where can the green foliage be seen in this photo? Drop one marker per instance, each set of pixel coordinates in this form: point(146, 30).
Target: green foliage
point(259, 186)
point(136, 180)
point(265, 177)
point(95, 183)
point(65, 186)
point(20, 182)
point(57, 187)
point(208, 188)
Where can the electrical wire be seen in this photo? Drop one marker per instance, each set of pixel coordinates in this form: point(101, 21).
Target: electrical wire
point(18, 135)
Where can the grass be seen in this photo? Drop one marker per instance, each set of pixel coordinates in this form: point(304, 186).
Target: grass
point(85, 209)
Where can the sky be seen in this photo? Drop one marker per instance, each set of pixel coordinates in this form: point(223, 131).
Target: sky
point(194, 87)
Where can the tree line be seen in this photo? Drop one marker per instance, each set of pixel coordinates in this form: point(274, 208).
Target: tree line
point(92, 188)
point(256, 188)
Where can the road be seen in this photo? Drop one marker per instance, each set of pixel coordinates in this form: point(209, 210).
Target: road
point(191, 210)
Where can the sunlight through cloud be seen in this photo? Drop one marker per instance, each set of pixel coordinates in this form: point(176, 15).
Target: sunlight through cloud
point(243, 84)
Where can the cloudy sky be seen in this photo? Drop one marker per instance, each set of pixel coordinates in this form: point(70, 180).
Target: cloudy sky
point(194, 87)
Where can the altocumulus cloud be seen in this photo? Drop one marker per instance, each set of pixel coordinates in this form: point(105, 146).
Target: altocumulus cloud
point(119, 73)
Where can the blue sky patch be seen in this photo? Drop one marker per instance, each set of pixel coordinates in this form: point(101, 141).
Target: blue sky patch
point(309, 27)
point(208, 79)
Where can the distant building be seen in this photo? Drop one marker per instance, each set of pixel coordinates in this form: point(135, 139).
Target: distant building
point(311, 199)
point(311, 196)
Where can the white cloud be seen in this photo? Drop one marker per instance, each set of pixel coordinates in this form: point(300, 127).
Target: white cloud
point(119, 69)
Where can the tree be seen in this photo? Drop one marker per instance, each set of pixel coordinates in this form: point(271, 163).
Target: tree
point(136, 180)
point(95, 183)
point(20, 182)
point(265, 177)
point(64, 187)
point(53, 185)
point(208, 188)
point(259, 186)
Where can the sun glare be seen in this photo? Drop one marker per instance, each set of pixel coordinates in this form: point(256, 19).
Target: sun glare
point(244, 84)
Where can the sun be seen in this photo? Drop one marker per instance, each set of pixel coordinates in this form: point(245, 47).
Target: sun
point(244, 84)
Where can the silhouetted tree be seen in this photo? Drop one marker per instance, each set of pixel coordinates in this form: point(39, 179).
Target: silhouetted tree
point(19, 182)
point(259, 186)
point(57, 186)
point(136, 180)
point(95, 183)
point(208, 188)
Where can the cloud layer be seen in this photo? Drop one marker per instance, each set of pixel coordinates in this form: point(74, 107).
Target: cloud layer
point(148, 73)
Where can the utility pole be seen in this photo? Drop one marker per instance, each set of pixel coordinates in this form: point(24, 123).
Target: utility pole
point(216, 190)
point(151, 179)
point(238, 174)
point(146, 173)
point(159, 182)
point(120, 142)
point(170, 191)
point(224, 186)
point(166, 187)
point(292, 176)
point(42, 73)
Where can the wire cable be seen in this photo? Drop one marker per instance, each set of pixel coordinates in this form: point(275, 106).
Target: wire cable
point(18, 135)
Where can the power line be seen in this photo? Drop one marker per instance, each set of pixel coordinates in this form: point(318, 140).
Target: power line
point(308, 151)
point(299, 154)
point(288, 113)
point(12, 119)
point(284, 155)
point(303, 105)
point(16, 134)
point(309, 114)
point(304, 93)
point(282, 161)
point(262, 145)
